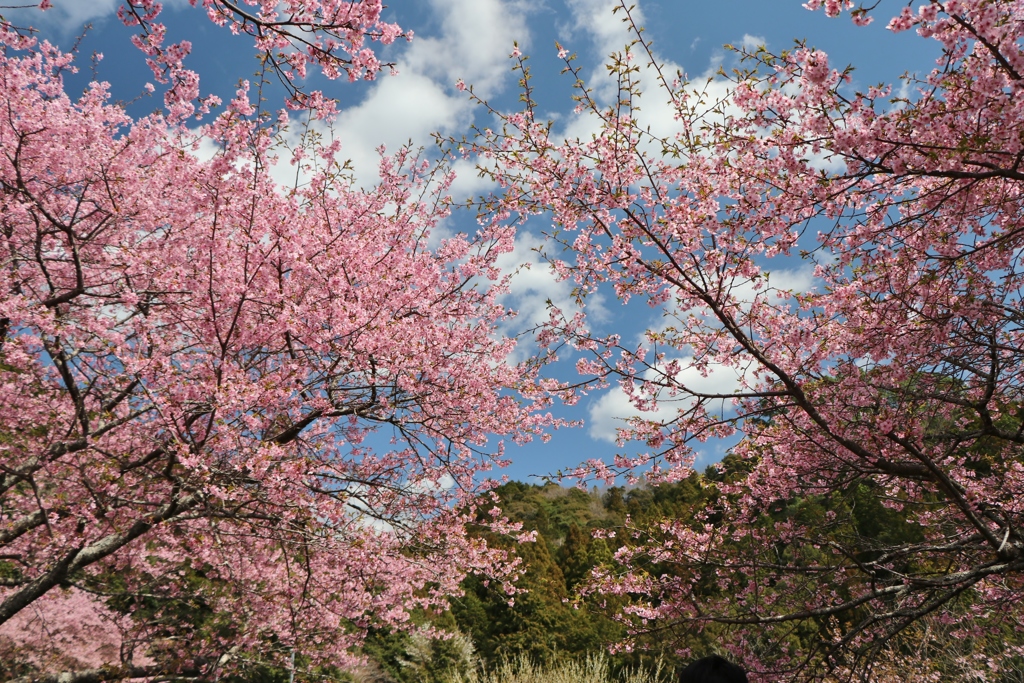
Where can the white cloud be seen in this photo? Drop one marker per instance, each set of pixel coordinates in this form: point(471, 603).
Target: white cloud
point(468, 182)
point(399, 110)
point(611, 411)
point(614, 407)
point(65, 15)
point(602, 23)
point(751, 43)
point(474, 44)
point(534, 285)
point(774, 290)
point(69, 16)
point(608, 34)
point(779, 281)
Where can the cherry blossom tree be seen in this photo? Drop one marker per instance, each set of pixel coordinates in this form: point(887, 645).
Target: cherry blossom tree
point(892, 384)
point(270, 406)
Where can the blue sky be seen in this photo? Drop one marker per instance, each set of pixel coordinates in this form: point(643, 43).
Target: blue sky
point(471, 40)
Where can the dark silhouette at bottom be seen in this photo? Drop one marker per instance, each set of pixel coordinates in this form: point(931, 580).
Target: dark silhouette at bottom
point(713, 669)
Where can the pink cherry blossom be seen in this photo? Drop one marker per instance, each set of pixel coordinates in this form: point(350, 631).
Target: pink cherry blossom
point(292, 393)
